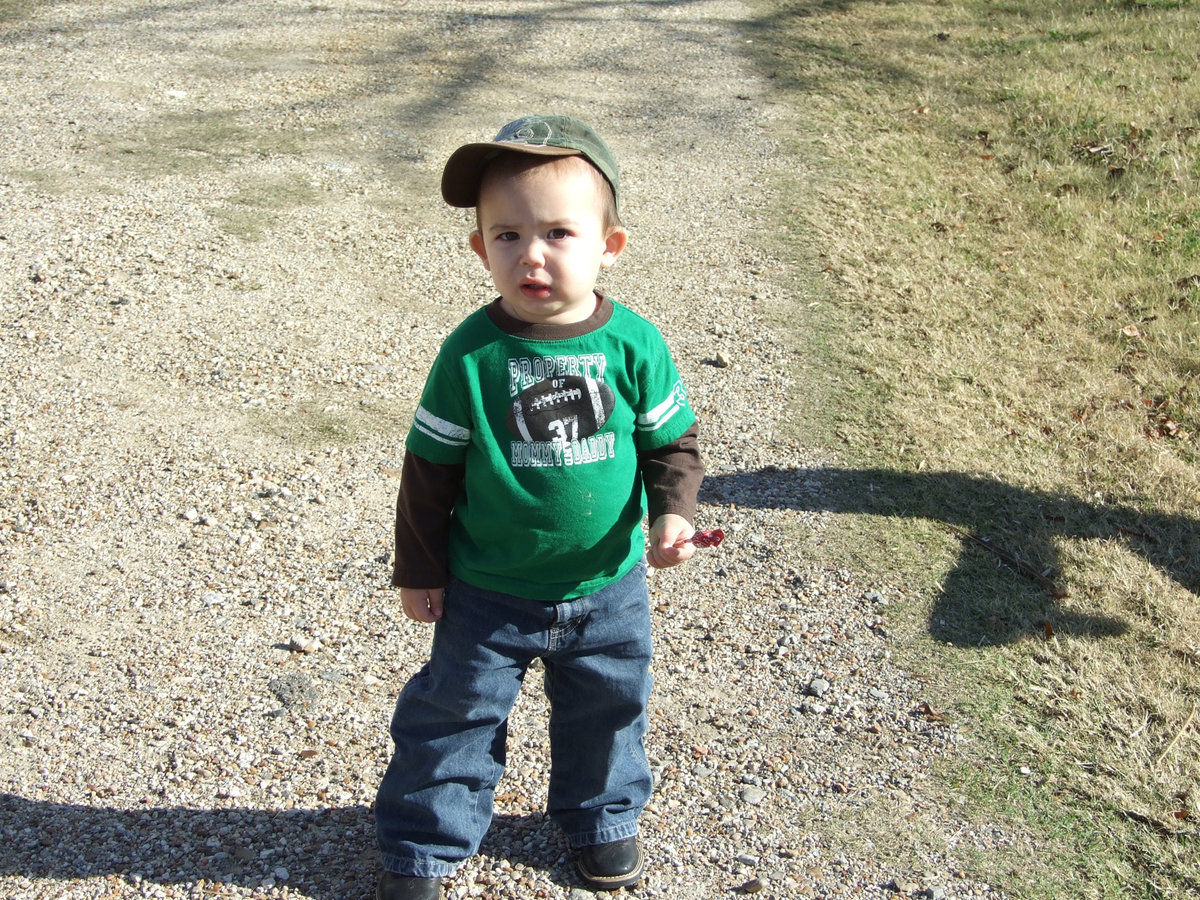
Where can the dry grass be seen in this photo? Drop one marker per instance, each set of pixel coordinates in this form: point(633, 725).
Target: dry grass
point(1001, 212)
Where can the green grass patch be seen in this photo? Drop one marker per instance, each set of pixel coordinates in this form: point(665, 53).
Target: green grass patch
point(194, 142)
point(13, 10)
point(992, 213)
point(255, 208)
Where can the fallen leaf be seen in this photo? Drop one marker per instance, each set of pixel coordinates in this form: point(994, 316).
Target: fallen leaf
point(1131, 331)
point(929, 712)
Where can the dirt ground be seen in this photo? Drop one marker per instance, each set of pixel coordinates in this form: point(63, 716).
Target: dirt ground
point(226, 270)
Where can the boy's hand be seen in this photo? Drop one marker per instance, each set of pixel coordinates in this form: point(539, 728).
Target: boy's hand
point(422, 604)
point(668, 536)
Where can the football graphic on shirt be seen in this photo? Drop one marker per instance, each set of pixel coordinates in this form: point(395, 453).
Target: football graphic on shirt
point(564, 408)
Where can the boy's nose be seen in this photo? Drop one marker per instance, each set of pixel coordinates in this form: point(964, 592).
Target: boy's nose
point(533, 254)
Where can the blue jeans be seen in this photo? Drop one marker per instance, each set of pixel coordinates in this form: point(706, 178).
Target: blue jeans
point(451, 721)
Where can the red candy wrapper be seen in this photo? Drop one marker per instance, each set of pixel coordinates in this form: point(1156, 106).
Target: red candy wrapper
point(710, 538)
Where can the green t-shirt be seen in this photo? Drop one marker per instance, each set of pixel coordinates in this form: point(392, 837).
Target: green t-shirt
point(548, 432)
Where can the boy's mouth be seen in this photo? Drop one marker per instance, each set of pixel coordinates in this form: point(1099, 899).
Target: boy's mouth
point(535, 290)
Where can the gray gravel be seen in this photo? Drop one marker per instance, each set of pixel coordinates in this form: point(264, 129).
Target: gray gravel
point(224, 271)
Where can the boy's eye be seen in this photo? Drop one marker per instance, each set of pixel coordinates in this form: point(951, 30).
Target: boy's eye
point(506, 236)
point(557, 234)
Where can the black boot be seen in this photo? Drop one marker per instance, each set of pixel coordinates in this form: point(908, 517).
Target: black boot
point(613, 865)
point(405, 887)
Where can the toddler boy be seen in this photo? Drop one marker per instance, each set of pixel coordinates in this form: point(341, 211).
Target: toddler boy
point(550, 421)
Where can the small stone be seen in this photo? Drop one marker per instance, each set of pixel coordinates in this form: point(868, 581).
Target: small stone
point(294, 690)
point(753, 886)
point(818, 687)
point(302, 644)
point(753, 795)
point(723, 360)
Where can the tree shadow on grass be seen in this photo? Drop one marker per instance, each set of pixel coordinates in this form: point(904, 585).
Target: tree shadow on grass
point(324, 854)
point(1006, 581)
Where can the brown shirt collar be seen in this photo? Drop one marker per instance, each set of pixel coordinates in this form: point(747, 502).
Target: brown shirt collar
point(537, 331)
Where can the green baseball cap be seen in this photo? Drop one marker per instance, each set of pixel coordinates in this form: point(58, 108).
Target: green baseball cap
point(538, 135)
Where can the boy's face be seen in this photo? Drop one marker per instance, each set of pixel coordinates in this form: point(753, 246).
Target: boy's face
point(543, 238)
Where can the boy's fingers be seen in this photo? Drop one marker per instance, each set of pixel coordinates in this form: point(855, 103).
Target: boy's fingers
point(415, 612)
point(669, 554)
point(422, 606)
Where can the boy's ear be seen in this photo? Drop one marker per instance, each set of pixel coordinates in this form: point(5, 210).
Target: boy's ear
point(480, 248)
point(614, 243)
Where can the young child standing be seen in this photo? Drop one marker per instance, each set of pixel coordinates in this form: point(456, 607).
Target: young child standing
point(551, 420)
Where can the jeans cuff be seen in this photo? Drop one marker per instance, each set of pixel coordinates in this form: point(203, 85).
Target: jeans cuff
point(418, 868)
point(616, 832)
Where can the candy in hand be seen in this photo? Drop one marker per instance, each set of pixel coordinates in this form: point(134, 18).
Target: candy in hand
point(710, 538)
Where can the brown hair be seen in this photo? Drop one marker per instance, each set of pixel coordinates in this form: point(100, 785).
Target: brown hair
point(508, 164)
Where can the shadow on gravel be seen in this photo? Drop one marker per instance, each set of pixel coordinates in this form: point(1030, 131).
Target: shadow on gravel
point(1003, 585)
point(324, 854)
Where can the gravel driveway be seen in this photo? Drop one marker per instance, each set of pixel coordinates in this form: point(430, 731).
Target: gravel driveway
point(224, 271)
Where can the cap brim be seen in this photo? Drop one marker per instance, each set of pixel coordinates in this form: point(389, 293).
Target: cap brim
point(464, 168)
